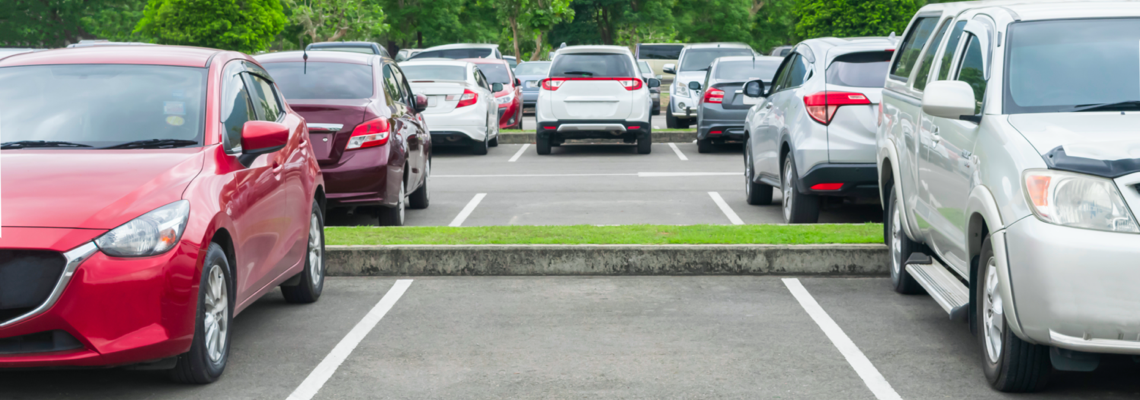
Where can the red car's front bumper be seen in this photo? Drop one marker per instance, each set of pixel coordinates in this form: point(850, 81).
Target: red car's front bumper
point(118, 310)
point(510, 114)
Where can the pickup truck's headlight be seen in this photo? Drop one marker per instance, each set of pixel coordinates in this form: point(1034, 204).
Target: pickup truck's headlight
point(505, 99)
point(1077, 200)
point(680, 90)
point(150, 234)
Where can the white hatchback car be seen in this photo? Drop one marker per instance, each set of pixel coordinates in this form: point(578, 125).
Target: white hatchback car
point(461, 102)
point(594, 92)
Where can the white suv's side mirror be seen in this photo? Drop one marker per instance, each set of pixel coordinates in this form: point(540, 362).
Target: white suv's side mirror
point(948, 99)
point(669, 69)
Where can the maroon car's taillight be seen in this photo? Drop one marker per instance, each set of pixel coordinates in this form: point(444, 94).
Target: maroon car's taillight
point(369, 134)
point(822, 106)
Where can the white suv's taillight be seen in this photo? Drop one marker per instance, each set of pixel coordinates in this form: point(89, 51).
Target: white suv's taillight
point(629, 84)
point(552, 84)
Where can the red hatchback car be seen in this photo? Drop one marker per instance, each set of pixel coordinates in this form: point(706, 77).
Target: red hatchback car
point(510, 98)
point(151, 193)
point(366, 129)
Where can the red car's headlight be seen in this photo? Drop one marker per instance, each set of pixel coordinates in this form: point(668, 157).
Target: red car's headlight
point(150, 234)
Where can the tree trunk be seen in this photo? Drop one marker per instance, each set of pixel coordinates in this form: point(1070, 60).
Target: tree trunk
point(515, 35)
point(537, 47)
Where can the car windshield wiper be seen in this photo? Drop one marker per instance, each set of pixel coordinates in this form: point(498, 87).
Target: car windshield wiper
point(24, 144)
point(153, 144)
point(1130, 105)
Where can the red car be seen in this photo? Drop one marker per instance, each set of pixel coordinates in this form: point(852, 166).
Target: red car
point(366, 128)
point(151, 193)
point(510, 98)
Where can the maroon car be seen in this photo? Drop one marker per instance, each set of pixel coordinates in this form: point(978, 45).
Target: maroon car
point(365, 124)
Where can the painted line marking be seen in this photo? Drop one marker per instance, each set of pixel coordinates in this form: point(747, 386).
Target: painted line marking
point(467, 210)
point(519, 153)
point(735, 219)
point(871, 376)
point(679, 153)
point(674, 174)
point(332, 361)
point(639, 175)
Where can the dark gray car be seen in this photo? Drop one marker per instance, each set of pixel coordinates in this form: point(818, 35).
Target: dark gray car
point(721, 107)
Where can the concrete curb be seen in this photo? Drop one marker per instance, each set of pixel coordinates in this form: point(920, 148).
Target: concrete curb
point(846, 259)
point(658, 137)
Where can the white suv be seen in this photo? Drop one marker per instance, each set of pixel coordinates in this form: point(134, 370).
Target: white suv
point(594, 92)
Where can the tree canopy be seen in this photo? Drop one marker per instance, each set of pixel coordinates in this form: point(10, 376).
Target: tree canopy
point(243, 25)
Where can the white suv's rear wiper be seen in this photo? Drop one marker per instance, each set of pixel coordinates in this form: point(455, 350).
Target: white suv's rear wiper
point(588, 74)
point(24, 144)
point(153, 144)
point(1131, 105)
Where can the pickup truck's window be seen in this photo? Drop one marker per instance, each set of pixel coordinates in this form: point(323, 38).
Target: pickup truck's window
point(925, 67)
point(951, 47)
point(435, 72)
point(659, 51)
point(322, 80)
point(1073, 65)
point(911, 46)
point(973, 71)
point(581, 65)
point(700, 59)
point(865, 69)
point(740, 71)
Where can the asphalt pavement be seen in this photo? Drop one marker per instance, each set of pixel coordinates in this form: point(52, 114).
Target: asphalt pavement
point(732, 337)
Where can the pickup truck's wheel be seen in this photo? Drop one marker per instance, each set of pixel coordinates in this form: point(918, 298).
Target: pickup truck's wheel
point(758, 194)
point(210, 347)
point(542, 144)
point(798, 208)
point(900, 247)
point(494, 142)
point(670, 120)
point(393, 216)
point(1010, 364)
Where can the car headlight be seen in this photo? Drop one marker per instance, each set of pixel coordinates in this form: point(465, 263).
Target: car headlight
point(680, 90)
point(150, 234)
point(505, 99)
point(1077, 200)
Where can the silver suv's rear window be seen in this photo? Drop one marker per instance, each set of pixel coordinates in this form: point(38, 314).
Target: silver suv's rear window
point(867, 69)
point(590, 65)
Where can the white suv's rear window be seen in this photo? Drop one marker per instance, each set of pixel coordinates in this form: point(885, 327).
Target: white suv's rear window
point(588, 65)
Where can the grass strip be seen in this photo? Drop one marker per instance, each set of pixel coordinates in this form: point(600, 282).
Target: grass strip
point(620, 234)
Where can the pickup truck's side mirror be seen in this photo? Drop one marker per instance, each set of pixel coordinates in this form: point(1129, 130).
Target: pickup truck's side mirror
point(654, 82)
point(669, 69)
point(949, 99)
point(421, 103)
point(754, 88)
point(694, 85)
point(496, 87)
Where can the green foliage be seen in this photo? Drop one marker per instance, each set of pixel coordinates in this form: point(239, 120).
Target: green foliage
point(116, 21)
point(43, 23)
point(332, 20)
point(714, 21)
point(847, 18)
point(242, 25)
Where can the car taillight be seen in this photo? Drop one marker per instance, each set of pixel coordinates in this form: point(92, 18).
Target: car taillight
point(467, 98)
point(822, 106)
point(714, 95)
point(552, 84)
point(369, 134)
point(629, 84)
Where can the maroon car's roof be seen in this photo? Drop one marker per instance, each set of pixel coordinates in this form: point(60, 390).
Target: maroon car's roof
point(317, 56)
point(155, 55)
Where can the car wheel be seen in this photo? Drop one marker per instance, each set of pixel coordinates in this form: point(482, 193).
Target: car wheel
point(645, 143)
point(798, 208)
point(542, 144)
point(308, 290)
point(900, 247)
point(758, 194)
point(210, 347)
point(393, 216)
point(419, 199)
point(670, 120)
point(1010, 364)
point(479, 148)
point(704, 146)
point(494, 142)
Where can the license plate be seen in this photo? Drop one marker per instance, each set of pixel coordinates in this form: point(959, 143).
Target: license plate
point(750, 100)
point(531, 84)
point(433, 100)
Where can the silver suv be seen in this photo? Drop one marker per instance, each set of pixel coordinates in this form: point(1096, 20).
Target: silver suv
point(1007, 154)
point(812, 133)
point(691, 66)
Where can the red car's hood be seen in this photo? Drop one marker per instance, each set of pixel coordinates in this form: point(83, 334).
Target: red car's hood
point(92, 189)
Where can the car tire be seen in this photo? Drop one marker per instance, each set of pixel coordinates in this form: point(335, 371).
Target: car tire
point(479, 148)
point(1010, 364)
point(393, 216)
point(542, 144)
point(758, 194)
point(900, 247)
point(657, 110)
point(312, 281)
point(419, 199)
point(670, 120)
point(210, 346)
point(645, 143)
point(799, 208)
point(704, 146)
point(494, 142)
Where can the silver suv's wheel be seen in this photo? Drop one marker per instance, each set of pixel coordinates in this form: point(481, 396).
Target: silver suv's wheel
point(798, 208)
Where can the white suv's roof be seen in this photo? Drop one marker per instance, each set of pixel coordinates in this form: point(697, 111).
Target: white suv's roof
point(463, 46)
point(594, 49)
point(435, 61)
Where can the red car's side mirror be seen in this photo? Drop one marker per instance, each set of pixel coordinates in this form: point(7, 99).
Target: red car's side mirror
point(421, 103)
point(260, 137)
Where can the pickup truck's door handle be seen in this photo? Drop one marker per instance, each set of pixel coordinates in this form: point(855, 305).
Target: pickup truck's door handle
point(935, 138)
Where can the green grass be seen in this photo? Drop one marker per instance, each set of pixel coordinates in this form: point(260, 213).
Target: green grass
point(621, 234)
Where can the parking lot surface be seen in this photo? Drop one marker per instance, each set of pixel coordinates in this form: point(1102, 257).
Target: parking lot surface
point(589, 337)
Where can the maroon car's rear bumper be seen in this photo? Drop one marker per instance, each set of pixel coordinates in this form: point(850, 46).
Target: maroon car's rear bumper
point(362, 178)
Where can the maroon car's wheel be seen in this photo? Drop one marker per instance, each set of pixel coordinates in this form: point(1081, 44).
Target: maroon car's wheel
point(393, 216)
point(210, 349)
point(419, 198)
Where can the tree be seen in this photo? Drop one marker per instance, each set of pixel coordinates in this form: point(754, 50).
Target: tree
point(43, 23)
point(714, 20)
point(846, 18)
point(242, 25)
point(541, 16)
point(116, 21)
point(332, 20)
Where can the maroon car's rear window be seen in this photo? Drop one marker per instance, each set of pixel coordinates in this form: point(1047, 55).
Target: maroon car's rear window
point(322, 80)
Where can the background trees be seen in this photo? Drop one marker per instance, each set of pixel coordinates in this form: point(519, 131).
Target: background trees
point(243, 25)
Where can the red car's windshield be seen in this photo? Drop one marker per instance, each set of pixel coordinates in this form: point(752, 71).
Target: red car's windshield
point(100, 105)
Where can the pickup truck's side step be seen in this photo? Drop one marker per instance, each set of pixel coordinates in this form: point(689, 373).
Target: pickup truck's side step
point(941, 284)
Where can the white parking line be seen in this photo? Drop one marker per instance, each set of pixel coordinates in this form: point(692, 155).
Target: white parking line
point(328, 366)
point(467, 210)
point(871, 376)
point(639, 175)
point(735, 219)
point(519, 153)
point(679, 153)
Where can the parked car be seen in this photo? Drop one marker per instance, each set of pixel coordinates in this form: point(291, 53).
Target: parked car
point(812, 134)
point(138, 247)
point(530, 73)
point(509, 97)
point(512, 61)
point(8, 51)
point(365, 126)
point(351, 47)
point(691, 66)
point(460, 51)
point(723, 107)
point(461, 102)
point(781, 51)
point(104, 42)
point(654, 92)
point(1005, 152)
point(405, 54)
point(594, 92)
point(658, 55)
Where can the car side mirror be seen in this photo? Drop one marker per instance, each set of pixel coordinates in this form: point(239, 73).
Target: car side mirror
point(694, 85)
point(669, 69)
point(654, 82)
point(421, 103)
point(949, 99)
point(261, 137)
point(496, 87)
point(754, 88)
point(518, 82)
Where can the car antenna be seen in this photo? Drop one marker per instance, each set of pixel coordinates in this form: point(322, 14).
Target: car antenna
point(304, 56)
